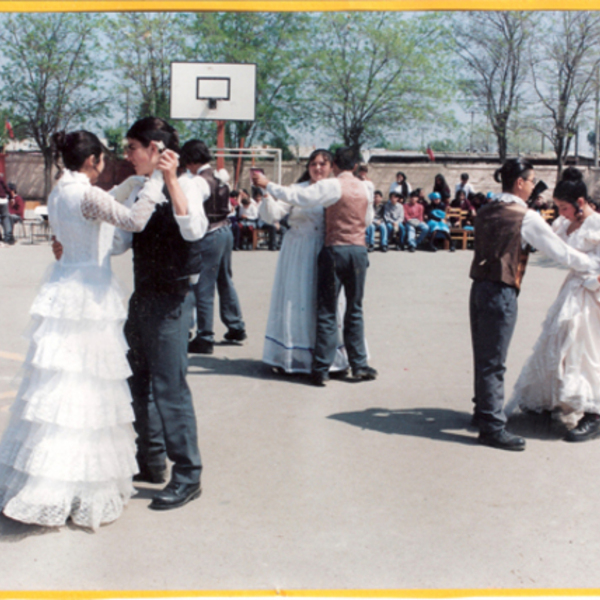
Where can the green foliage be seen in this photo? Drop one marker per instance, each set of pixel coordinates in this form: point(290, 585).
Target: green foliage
point(276, 43)
point(49, 74)
point(374, 72)
point(114, 140)
point(146, 44)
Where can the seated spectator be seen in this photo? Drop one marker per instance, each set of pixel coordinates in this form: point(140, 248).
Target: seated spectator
point(441, 187)
point(465, 186)
point(401, 185)
point(435, 203)
point(247, 221)
point(439, 229)
point(423, 200)
point(414, 222)
point(479, 199)
point(378, 224)
point(461, 201)
point(393, 215)
point(361, 172)
point(16, 205)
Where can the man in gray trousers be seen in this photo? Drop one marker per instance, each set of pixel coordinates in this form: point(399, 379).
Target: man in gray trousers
point(215, 250)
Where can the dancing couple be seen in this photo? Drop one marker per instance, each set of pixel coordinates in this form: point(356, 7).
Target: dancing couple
point(69, 451)
point(302, 331)
point(562, 374)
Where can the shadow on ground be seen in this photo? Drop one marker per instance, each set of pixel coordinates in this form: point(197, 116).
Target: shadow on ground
point(537, 426)
point(433, 423)
point(14, 531)
point(240, 367)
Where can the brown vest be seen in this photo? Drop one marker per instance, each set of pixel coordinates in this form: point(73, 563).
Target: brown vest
point(499, 255)
point(345, 220)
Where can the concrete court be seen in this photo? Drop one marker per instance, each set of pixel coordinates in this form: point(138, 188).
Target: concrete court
point(376, 485)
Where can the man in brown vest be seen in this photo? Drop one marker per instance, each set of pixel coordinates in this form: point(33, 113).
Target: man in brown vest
point(504, 230)
point(343, 260)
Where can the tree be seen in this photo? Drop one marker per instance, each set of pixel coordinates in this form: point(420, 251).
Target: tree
point(146, 45)
point(374, 72)
point(492, 47)
point(564, 63)
point(275, 42)
point(49, 75)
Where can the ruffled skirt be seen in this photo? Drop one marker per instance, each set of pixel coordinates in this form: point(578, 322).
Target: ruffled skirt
point(291, 327)
point(69, 449)
point(563, 373)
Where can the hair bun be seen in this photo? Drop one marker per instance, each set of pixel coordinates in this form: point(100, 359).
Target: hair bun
point(498, 175)
point(571, 174)
point(60, 139)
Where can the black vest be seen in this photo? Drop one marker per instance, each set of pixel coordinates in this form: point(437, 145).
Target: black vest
point(217, 206)
point(162, 259)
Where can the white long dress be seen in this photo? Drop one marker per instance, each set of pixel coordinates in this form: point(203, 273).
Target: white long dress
point(564, 370)
point(69, 447)
point(291, 327)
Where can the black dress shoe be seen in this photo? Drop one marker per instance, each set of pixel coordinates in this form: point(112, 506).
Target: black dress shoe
point(151, 475)
point(338, 374)
point(318, 378)
point(501, 439)
point(200, 346)
point(588, 428)
point(235, 335)
point(365, 373)
point(175, 495)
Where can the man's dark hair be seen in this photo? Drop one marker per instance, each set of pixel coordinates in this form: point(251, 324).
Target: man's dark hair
point(345, 159)
point(154, 129)
point(464, 176)
point(378, 192)
point(195, 152)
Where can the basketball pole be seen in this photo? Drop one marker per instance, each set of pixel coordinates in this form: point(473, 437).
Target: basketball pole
point(220, 144)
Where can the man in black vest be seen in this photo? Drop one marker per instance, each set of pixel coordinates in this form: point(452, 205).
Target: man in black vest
point(215, 250)
point(160, 315)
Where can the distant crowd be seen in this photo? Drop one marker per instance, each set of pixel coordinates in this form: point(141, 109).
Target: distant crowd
point(409, 219)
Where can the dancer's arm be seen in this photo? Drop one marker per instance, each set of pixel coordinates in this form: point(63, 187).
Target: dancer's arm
point(122, 191)
point(323, 193)
point(100, 205)
point(536, 232)
point(271, 210)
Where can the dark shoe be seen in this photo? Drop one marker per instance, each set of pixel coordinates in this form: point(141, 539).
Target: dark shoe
point(365, 373)
point(370, 248)
point(175, 495)
point(235, 335)
point(318, 378)
point(411, 248)
point(588, 428)
point(384, 248)
point(200, 346)
point(338, 374)
point(502, 439)
point(151, 475)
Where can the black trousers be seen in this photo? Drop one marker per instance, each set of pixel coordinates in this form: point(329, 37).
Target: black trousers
point(493, 313)
point(340, 266)
point(157, 333)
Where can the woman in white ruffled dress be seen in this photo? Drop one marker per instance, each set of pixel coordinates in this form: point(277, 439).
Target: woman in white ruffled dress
point(563, 373)
point(291, 327)
point(69, 450)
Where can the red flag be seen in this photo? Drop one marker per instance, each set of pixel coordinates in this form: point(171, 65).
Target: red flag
point(430, 154)
point(8, 127)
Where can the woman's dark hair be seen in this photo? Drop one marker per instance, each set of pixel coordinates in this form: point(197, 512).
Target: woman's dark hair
point(571, 187)
point(314, 154)
point(194, 152)
point(401, 173)
point(154, 129)
point(74, 148)
point(510, 171)
point(441, 187)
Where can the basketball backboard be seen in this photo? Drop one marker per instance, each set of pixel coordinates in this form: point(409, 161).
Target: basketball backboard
point(213, 91)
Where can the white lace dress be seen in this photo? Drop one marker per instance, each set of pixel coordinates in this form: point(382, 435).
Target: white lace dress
point(564, 370)
point(292, 322)
point(69, 450)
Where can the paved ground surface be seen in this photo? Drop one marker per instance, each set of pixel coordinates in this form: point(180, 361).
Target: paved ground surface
point(355, 486)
